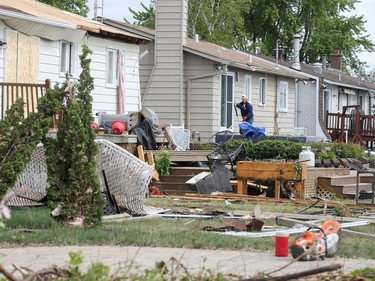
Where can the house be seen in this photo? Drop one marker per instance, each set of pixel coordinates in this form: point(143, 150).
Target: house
point(41, 42)
point(196, 84)
point(330, 91)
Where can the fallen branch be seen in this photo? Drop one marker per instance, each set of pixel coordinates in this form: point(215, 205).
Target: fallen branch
point(305, 273)
point(7, 274)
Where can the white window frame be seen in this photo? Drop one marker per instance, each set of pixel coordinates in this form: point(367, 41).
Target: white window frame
point(262, 91)
point(283, 96)
point(229, 104)
point(68, 58)
point(111, 78)
point(247, 87)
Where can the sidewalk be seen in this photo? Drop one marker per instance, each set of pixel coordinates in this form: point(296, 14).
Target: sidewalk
point(244, 263)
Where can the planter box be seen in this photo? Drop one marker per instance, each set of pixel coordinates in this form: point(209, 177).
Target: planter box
point(275, 171)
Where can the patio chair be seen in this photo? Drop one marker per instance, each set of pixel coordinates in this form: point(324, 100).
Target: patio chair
point(179, 137)
point(227, 154)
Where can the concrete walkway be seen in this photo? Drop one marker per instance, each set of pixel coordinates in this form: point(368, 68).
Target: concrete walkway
point(243, 263)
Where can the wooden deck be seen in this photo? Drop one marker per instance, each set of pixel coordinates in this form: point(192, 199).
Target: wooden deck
point(351, 127)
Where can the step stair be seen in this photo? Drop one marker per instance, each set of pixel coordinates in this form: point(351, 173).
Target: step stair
point(344, 186)
point(175, 183)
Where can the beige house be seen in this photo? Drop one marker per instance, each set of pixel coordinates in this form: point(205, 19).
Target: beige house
point(196, 84)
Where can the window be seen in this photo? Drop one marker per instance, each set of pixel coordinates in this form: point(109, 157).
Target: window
point(111, 67)
point(226, 101)
point(326, 102)
point(262, 91)
point(112, 71)
point(283, 96)
point(247, 87)
point(68, 58)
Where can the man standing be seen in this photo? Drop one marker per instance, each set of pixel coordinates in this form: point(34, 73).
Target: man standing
point(246, 110)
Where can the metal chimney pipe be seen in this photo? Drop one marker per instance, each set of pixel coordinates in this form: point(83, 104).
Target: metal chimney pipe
point(296, 64)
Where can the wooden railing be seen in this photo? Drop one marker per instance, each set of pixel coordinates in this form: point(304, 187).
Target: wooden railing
point(354, 127)
point(29, 92)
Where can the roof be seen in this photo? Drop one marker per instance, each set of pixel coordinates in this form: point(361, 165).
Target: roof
point(39, 15)
point(330, 75)
point(217, 53)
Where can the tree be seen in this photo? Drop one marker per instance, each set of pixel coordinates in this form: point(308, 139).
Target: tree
point(256, 25)
point(74, 184)
point(19, 136)
point(145, 18)
point(78, 7)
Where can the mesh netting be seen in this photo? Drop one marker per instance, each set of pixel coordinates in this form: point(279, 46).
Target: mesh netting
point(180, 137)
point(127, 177)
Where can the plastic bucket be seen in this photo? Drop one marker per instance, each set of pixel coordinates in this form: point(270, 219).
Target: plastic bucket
point(282, 244)
point(118, 127)
point(95, 125)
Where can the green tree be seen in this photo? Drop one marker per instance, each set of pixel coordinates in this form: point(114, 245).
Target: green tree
point(78, 7)
point(74, 184)
point(144, 18)
point(19, 136)
point(256, 25)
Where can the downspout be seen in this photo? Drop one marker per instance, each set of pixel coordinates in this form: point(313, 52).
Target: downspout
point(181, 62)
point(276, 126)
point(188, 98)
point(149, 82)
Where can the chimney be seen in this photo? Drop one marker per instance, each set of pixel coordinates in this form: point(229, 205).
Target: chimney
point(296, 64)
point(317, 67)
point(336, 59)
point(324, 61)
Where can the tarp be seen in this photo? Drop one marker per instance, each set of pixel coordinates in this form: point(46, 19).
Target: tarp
point(249, 131)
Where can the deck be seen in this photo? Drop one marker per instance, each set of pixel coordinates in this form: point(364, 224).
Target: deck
point(351, 127)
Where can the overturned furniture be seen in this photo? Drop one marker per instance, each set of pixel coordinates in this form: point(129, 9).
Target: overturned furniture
point(127, 178)
point(275, 171)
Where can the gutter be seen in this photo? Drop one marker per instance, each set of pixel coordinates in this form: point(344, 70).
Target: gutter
point(13, 15)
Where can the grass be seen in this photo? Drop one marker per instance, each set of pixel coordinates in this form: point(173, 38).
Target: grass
point(34, 226)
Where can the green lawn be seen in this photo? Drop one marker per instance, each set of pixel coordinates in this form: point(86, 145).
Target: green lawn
point(34, 226)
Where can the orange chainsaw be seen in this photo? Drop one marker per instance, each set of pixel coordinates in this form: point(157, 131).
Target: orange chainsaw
point(317, 245)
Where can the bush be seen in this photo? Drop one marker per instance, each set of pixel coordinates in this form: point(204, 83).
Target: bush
point(276, 149)
point(348, 150)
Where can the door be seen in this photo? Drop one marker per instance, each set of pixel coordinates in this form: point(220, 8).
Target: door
point(226, 101)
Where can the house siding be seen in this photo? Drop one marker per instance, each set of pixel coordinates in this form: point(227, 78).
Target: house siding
point(166, 77)
point(104, 97)
point(204, 95)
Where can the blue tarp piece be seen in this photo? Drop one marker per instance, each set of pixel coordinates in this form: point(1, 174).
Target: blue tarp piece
point(249, 131)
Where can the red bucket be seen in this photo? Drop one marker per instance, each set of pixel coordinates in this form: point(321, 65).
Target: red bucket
point(118, 127)
point(282, 244)
point(95, 125)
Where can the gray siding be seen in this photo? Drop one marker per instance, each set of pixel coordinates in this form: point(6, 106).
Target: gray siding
point(166, 75)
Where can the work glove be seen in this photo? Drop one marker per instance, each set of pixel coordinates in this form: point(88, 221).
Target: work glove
point(244, 118)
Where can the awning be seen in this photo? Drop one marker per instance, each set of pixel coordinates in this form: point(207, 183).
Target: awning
point(349, 91)
point(44, 28)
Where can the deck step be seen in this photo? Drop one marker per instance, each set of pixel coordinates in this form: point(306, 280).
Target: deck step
point(349, 179)
point(187, 171)
point(176, 188)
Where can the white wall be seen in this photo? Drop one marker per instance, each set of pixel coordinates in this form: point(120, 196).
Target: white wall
point(104, 97)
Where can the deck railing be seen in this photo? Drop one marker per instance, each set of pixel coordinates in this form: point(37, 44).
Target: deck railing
point(29, 92)
point(354, 127)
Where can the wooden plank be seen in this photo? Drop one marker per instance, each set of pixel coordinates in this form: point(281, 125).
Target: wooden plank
point(270, 170)
point(150, 160)
point(185, 156)
point(141, 154)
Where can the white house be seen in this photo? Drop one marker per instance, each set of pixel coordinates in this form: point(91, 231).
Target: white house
point(41, 42)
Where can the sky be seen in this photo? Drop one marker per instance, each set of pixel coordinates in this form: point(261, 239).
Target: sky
point(119, 9)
